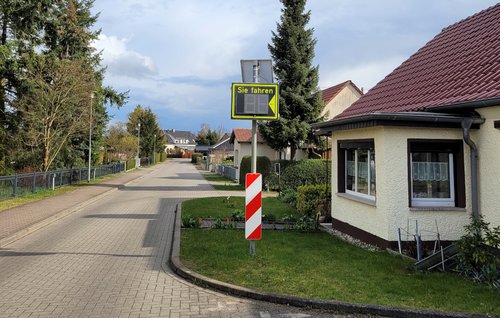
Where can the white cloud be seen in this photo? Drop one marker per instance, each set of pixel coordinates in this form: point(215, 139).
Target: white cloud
point(364, 75)
point(204, 39)
point(176, 55)
point(122, 61)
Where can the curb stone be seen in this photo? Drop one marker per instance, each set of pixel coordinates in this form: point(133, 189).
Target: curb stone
point(329, 305)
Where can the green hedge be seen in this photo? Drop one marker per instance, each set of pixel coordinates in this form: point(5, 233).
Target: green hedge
point(304, 172)
point(196, 157)
point(130, 164)
point(263, 167)
point(163, 156)
point(274, 180)
point(313, 199)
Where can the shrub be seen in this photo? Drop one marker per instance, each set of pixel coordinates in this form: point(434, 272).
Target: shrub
point(313, 199)
point(270, 218)
point(190, 222)
point(290, 218)
point(237, 216)
point(305, 224)
point(163, 156)
point(196, 157)
point(304, 172)
point(263, 167)
point(275, 180)
point(288, 196)
point(130, 164)
point(479, 256)
point(223, 224)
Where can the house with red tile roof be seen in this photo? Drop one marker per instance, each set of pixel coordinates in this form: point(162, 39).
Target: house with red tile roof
point(338, 97)
point(423, 145)
point(242, 140)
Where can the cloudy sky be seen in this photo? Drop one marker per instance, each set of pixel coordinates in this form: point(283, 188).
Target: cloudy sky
point(179, 57)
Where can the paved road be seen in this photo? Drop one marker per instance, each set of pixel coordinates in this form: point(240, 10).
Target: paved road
point(106, 259)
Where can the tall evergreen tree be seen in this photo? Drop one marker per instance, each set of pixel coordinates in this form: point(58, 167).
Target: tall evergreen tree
point(69, 37)
point(151, 136)
point(292, 50)
point(21, 29)
point(207, 136)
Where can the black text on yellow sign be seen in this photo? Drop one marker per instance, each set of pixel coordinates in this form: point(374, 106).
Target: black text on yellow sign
point(254, 101)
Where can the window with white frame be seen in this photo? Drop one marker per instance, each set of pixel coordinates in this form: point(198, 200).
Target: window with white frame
point(436, 176)
point(357, 168)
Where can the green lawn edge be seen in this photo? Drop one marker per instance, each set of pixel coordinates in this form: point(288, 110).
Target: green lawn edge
point(319, 265)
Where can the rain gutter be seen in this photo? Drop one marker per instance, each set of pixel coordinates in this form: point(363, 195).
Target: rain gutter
point(466, 125)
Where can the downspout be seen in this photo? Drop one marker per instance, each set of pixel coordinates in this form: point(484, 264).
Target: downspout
point(466, 125)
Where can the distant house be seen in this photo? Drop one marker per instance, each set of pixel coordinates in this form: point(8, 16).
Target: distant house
point(423, 145)
point(241, 138)
point(223, 147)
point(338, 97)
point(180, 139)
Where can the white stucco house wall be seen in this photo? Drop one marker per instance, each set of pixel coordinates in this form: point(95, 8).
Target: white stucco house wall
point(180, 139)
point(339, 97)
point(241, 138)
point(336, 99)
point(410, 149)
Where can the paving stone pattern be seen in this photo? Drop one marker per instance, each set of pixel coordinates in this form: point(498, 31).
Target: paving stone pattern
point(107, 259)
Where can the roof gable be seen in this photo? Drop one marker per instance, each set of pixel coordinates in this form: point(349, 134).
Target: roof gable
point(244, 135)
point(173, 135)
point(329, 93)
point(460, 65)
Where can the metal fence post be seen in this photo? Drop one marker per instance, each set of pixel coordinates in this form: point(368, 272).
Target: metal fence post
point(14, 186)
point(33, 185)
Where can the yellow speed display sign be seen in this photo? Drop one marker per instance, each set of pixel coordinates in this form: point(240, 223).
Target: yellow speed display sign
point(254, 101)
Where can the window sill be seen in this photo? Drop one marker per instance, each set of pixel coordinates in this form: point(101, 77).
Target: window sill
point(436, 208)
point(357, 199)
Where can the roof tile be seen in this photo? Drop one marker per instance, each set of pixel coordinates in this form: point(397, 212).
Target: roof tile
point(329, 93)
point(461, 64)
point(244, 135)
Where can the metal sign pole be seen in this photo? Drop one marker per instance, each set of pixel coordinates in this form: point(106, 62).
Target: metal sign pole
point(254, 144)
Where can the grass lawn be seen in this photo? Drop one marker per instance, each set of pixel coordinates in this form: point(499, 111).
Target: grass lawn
point(318, 265)
point(47, 193)
point(220, 207)
point(222, 183)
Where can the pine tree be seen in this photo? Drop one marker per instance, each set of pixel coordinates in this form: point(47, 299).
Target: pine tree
point(21, 29)
point(69, 37)
point(151, 136)
point(32, 31)
point(292, 50)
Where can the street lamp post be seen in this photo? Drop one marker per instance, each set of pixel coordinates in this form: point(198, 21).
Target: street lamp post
point(138, 145)
point(90, 136)
point(154, 149)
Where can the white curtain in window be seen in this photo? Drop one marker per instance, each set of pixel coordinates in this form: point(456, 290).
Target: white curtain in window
point(430, 171)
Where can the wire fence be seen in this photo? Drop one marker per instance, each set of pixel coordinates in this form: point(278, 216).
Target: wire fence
point(22, 184)
point(227, 171)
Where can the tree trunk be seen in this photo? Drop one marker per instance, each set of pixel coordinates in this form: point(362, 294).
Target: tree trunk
point(293, 150)
point(2, 88)
point(45, 158)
